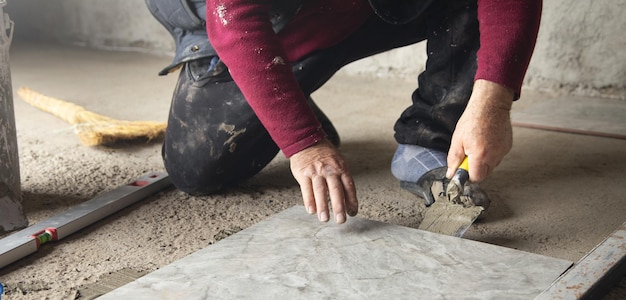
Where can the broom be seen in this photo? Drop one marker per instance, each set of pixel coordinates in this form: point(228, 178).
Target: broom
point(94, 129)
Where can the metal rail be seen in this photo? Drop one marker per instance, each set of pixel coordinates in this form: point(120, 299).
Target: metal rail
point(28, 241)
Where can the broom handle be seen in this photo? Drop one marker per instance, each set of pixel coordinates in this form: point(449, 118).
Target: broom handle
point(66, 111)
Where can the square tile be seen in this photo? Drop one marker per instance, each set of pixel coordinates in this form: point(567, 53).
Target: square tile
point(291, 255)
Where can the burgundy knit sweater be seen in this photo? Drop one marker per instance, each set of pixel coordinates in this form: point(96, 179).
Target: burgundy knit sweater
point(260, 60)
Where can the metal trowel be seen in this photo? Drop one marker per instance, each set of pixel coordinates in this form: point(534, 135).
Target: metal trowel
point(451, 214)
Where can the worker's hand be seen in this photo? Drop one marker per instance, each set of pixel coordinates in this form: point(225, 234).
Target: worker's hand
point(322, 172)
point(483, 132)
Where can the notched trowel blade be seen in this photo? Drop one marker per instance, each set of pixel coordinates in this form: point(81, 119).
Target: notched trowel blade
point(447, 217)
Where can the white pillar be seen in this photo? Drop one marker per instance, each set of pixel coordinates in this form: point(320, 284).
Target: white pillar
point(11, 214)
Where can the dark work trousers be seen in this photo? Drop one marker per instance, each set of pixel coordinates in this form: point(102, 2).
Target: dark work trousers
point(214, 139)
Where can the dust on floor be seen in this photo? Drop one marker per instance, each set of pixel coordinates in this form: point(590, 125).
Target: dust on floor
point(555, 194)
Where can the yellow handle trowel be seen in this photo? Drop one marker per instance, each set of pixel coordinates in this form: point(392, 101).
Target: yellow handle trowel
point(454, 190)
point(451, 214)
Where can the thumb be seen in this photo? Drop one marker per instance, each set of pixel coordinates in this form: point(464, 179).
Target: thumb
point(455, 157)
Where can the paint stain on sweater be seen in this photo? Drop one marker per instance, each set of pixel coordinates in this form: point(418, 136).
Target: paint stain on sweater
point(276, 61)
point(221, 14)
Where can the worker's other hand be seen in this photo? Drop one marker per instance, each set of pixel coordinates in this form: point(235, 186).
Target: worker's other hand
point(322, 172)
point(483, 132)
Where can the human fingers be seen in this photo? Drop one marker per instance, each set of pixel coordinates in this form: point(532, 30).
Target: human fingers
point(322, 172)
point(337, 198)
point(320, 192)
point(489, 148)
point(352, 203)
point(456, 154)
point(306, 187)
point(478, 168)
point(483, 133)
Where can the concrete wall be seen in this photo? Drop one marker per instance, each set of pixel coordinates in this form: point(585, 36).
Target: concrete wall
point(108, 24)
point(581, 46)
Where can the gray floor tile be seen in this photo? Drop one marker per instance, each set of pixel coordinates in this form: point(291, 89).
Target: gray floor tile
point(293, 256)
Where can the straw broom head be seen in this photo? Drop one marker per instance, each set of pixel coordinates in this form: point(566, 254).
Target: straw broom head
point(94, 129)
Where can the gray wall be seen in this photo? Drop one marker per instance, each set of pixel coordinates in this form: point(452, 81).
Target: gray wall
point(108, 24)
point(581, 46)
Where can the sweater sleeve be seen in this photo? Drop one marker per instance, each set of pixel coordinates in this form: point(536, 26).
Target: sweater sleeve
point(241, 33)
point(508, 33)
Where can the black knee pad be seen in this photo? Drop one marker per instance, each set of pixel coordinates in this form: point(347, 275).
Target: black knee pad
point(213, 138)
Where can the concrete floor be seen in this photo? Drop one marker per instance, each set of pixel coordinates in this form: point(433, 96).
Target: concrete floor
point(555, 194)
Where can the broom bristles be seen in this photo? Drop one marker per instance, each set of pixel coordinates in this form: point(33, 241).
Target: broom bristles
point(93, 129)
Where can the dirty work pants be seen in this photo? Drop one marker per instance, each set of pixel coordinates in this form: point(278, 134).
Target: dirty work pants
point(214, 139)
